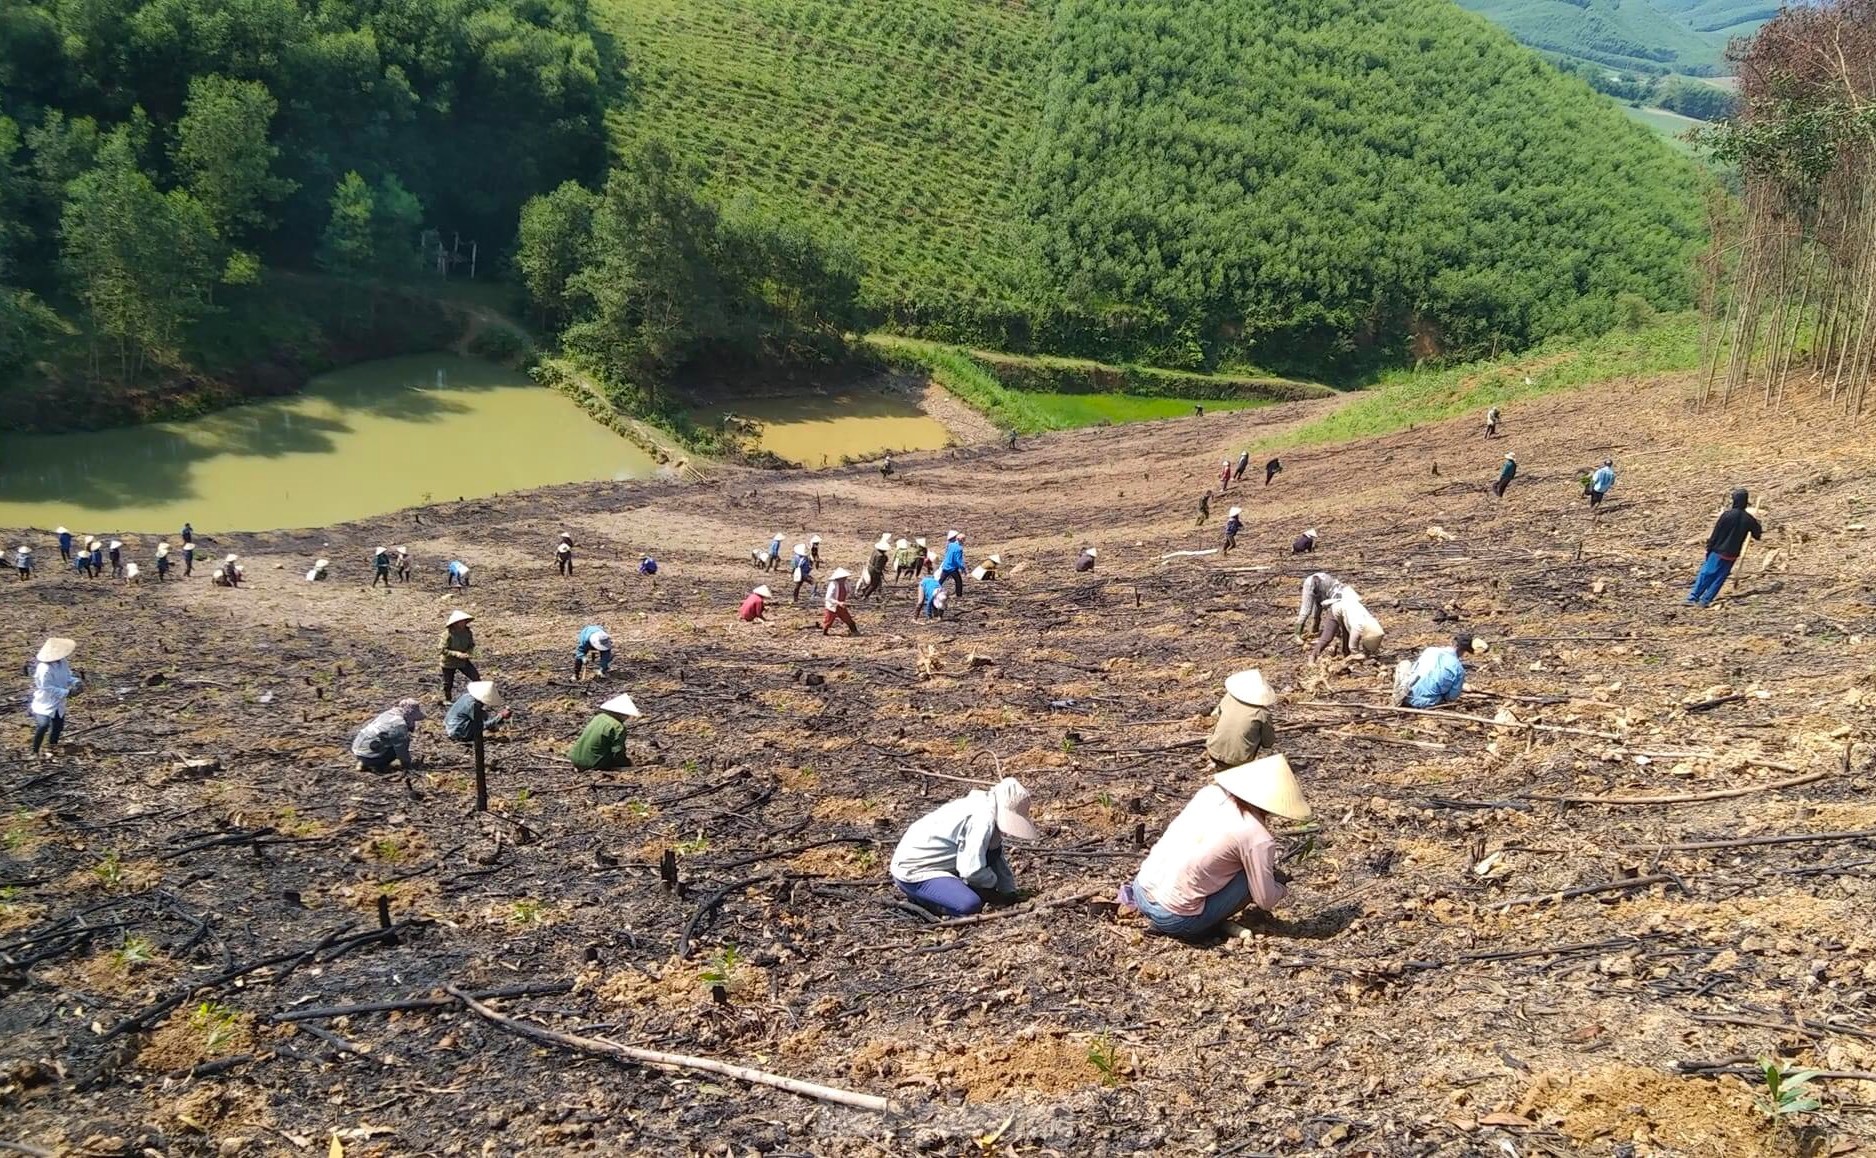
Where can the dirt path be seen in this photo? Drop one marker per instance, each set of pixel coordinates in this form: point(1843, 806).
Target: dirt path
point(1397, 1006)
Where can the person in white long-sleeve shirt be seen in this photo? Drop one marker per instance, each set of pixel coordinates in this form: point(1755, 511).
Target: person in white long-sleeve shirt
point(53, 682)
point(954, 854)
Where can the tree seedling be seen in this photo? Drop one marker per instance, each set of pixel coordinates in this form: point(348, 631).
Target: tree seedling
point(218, 1024)
point(135, 951)
point(1788, 1091)
point(1104, 1056)
point(109, 871)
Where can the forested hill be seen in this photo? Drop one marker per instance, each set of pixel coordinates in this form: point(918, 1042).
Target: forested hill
point(1304, 185)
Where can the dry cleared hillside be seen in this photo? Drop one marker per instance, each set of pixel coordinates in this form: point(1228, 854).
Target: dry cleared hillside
point(1427, 992)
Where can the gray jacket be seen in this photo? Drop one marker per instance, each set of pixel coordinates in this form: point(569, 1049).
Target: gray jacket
point(387, 732)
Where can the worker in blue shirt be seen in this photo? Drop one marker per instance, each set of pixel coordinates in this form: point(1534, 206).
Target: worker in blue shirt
point(775, 551)
point(595, 642)
point(65, 545)
point(458, 573)
point(929, 603)
point(647, 566)
point(1505, 474)
point(803, 570)
point(1234, 523)
point(1600, 483)
point(1438, 676)
point(953, 565)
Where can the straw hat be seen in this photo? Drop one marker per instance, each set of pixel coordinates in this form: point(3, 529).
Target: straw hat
point(56, 649)
point(162, 549)
point(996, 560)
point(1310, 534)
point(1234, 512)
point(456, 617)
point(381, 551)
point(483, 692)
point(567, 536)
point(1249, 687)
point(763, 590)
point(920, 542)
point(602, 640)
point(1510, 457)
point(117, 545)
point(60, 531)
point(1090, 552)
point(25, 550)
point(801, 548)
point(232, 559)
point(885, 541)
point(814, 539)
point(902, 544)
point(1013, 809)
point(950, 535)
point(1266, 783)
point(321, 564)
point(621, 705)
point(839, 573)
point(400, 550)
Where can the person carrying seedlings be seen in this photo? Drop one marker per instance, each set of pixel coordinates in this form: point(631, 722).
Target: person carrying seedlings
point(1224, 477)
point(460, 722)
point(116, 549)
point(94, 551)
point(1600, 483)
point(162, 562)
point(1085, 561)
point(1438, 676)
point(386, 739)
point(188, 558)
point(403, 563)
point(802, 569)
point(753, 608)
point(23, 561)
point(458, 573)
point(1234, 522)
point(458, 649)
point(1205, 508)
point(953, 567)
point(601, 744)
point(65, 545)
point(1218, 854)
point(1244, 463)
point(1272, 469)
point(904, 561)
point(381, 567)
point(952, 856)
point(874, 581)
point(1505, 474)
point(318, 574)
point(595, 644)
point(647, 565)
point(775, 551)
point(1243, 728)
point(1491, 422)
point(834, 605)
point(987, 570)
point(1724, 546)
point(53, 683)
point(1348, 627)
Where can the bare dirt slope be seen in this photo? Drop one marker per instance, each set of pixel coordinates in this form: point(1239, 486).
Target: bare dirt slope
point(1398, 1006)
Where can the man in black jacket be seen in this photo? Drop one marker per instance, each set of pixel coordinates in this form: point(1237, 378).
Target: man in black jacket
point(1723, 547)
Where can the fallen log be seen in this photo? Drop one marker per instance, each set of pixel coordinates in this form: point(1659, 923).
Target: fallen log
point(600, 1047)
point(1752, 841)
point(1513, 725)
point(320, 1013)
point(1691, 797)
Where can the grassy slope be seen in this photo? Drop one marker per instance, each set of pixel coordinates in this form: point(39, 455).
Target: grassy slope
point(1635, 34)
point(902, 123)
point(1669, 125)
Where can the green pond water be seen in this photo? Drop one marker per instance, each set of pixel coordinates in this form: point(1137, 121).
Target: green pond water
point(368, 439)
point(818, 430)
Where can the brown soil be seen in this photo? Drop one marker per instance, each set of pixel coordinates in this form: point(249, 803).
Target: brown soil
point(1395, 1007)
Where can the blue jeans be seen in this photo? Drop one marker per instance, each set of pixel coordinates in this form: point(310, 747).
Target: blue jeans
point(1712, 577)
point(948, 895)
point(1219, 907)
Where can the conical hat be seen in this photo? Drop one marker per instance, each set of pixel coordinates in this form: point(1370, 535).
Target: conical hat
point(1234, 512)
point(885, 541)
point(764, 591)
point(996, 559)
point(902, 544)
point(1249, 687)
point(117, 544)
point(484, 693)
point(232, 559)
point(801, 548)
point(1090, 552)
point(1267, 783)
point(56, 649)
point(621, 705)
point(61, 531)
point(815, 539)
point(456, 617)
point(839, 573)
point(162, 549)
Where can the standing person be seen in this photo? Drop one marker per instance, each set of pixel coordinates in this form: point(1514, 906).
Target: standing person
point(23, 561)
point(601, 744)
point(231, 568)
point(403, 565)
point(188, 534)
point(1205, 508)
point(381, 567)
point(53, 683)
point(1505, 474)
point(116, 549)
point(922, 564)
point(875, 580)
point(1224, 477)
point(1491, 422)
point(930, 601)
point(1724, 545)
point(462, 722)
point(65, 545)
point(1318, 590)
point(188, 557)
point(94, 551)
point(775, 551)
point(953, 855)
point(162, 562)
point(1438, 676)
point(1233, 524)
point(1600, 484)
point(1244, 463)
point(386, 739)
point(834, 606)
point(904, 563)
point(457, 572)
point(595, 641)
point(1085, 561)
point(814, 549)
point(756, 605)
point(1218, 854)
point(1244, 728)
point(458, 650)
point(802, 569)
point(953, 568)
point(1272, 469)
point(1304, 543)
point(563, 554)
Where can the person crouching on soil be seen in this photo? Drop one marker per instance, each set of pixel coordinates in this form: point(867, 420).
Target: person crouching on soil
point(1085, 561)
point(601, 744)
point(1244, 728)
point(950, 857)
point(595, 644)
point(320, 571)
point(1218, 853)
point(931, 599)
point(754, 608)
point(1438, 676)
point(458, 649)
point(987, 570)
point(835, 610)
point(1304, 543)
point(1348, 627)
point(461, 723)
point(458, 572)
point(386, 739)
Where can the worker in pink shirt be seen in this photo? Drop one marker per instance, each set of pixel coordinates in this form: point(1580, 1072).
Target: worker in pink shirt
point(1218, 853)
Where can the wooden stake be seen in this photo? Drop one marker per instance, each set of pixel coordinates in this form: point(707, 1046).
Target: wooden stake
point(482, 779)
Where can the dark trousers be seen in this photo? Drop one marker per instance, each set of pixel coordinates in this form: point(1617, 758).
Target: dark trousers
point(1498, 488)
point(1230, 541)
point(403, 573)
point(380, 575)
point(188, 564)
point(565, 563)
point(162, 569)
point(65, 554)
point(47, 730)
point(470, 675)
point(1268, 475)
point(957, 582)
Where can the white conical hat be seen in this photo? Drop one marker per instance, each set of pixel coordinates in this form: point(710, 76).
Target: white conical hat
point(566, 534)
point(839, 573)
point(920, 542)
point(621, 705)
point(321, 564)
point(1234, 512)
point(996, 559)
point(56, 649)
point(484, 693)
point(381, 551)
point(885, 541)
point(1267, 783)
point(1311, 533)
point(801, 548)
point(162, 549)
point(763, 590)
point(1090, 552)
point(456, 617)
point(117, 545)
point(60, 531)
point(400, 550)
point(902, 544)
point(25, 550)
point(1249, 687)
point(814, 539)
point(232, 559)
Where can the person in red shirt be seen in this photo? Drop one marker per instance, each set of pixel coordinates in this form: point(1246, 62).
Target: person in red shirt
point(754, 606)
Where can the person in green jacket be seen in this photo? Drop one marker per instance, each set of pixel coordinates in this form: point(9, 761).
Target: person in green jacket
point(458, 647)
point(602, 744)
